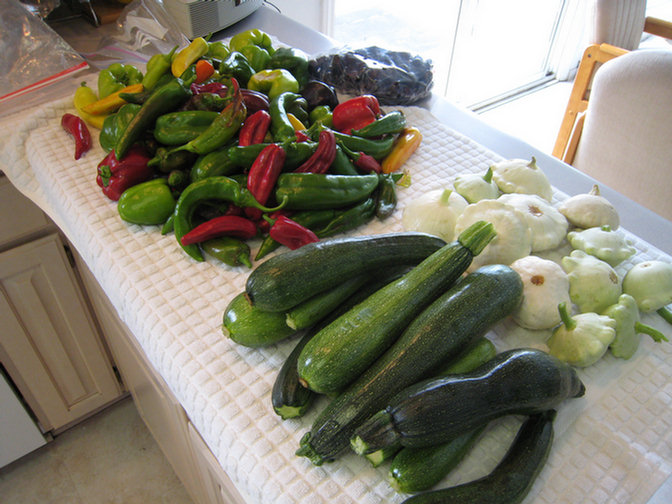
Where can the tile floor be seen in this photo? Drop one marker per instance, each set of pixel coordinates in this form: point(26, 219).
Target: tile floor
point(110, 458)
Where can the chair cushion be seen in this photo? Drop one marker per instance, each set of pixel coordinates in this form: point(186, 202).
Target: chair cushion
point(626, 141)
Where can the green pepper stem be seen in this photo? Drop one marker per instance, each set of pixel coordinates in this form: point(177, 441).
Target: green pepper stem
point(665, 313)
point(566, 318)
point(655, 334)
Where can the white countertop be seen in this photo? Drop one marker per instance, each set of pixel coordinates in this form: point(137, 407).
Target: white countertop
point(614, 444)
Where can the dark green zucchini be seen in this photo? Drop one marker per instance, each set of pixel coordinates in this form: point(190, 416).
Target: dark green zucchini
point(513, 477)
point(285, 280)
point(291, 399)
point(454, 321)
point(339, 353)
point(520, 381)
point(316, 308)
point(251, 327)
point(407, 468)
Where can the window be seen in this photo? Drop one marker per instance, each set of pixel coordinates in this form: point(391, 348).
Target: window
point(482, 50)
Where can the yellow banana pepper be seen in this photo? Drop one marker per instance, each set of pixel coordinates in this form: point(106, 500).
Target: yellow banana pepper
point(296, 123)
point(84, 96)
point(111, 103)
point(408, 141)
point(189, 55)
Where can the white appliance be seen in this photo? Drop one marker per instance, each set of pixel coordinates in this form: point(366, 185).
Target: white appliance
point(18, 433)
point(197, 18)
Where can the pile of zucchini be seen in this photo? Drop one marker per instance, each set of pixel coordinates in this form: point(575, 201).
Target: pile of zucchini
point(392, 330)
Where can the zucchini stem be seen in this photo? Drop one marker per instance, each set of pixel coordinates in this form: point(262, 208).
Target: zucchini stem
point(379, 433)
point(477, 236)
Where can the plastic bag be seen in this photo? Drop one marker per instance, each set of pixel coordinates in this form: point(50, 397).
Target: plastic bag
point(143, 28)
point(394, 77)
point(25, 40)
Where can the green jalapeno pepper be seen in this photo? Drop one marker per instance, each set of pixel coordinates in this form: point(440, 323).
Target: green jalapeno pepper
point(147, 203)
point(391, 123)
point(212, 188)
point(213, 164)
point(177, 128)
point(165, 99)
point(273, 82)
point(386, 202)
point(281, 127)
point(377, 148)
point(166, 160)
point(229, 250)
point(116, 77)
point(224, 127)
point(350, 218)
point(342, 164)
point(157, 66)
point(315, 191)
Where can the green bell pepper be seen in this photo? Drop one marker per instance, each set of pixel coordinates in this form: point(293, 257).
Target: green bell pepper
point(256, 56)
point(236, 66)
point(218, 50)
point(115, 124)
point(273, 82)
point(147, 203)
point(116, 77)
point(251, 37)
point(322, 114)
point(294, 60)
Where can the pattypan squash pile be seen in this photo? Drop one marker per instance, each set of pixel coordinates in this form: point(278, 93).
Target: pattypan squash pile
point(585, 303)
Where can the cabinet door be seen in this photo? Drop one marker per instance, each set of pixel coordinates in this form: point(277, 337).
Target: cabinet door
point(50, 345)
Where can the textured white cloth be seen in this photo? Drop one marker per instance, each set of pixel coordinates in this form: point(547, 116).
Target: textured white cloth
point(612, 445)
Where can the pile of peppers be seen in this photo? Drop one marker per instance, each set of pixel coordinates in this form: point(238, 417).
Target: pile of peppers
point(224, 143)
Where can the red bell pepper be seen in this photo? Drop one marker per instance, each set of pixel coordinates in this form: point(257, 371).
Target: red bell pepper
point(77, 128)
point(225, 225)
point(355, 113)
point(324, 155)
point(115, 176)
point(254, 128)
point(291, 234)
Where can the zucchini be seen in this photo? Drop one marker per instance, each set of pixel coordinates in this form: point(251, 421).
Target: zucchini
point(340, 352)
point(290, 399)
point(316, 308)
point(513, 477)
point(251, 327)
point(444, 329)
point(407, 467)
point(520, 381)
point(287, 279)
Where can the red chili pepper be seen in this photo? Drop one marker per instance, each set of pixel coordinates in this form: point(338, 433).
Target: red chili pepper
point(301, 136)
point(77, 128)
point(254, 128)
point(355, 113)
point(324, 155)
point(367, 163)
point(263, 175)
point(225, 225)
point(264, 225)
point(291, 234)
point(217, 88)
point(115, 176)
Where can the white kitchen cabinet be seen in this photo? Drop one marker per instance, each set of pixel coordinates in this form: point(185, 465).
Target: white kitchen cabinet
point(50, 344)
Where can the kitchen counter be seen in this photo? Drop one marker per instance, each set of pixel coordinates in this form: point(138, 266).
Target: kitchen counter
point(613, 444)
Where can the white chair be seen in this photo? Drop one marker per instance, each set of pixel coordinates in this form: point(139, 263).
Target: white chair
point(626, 138)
